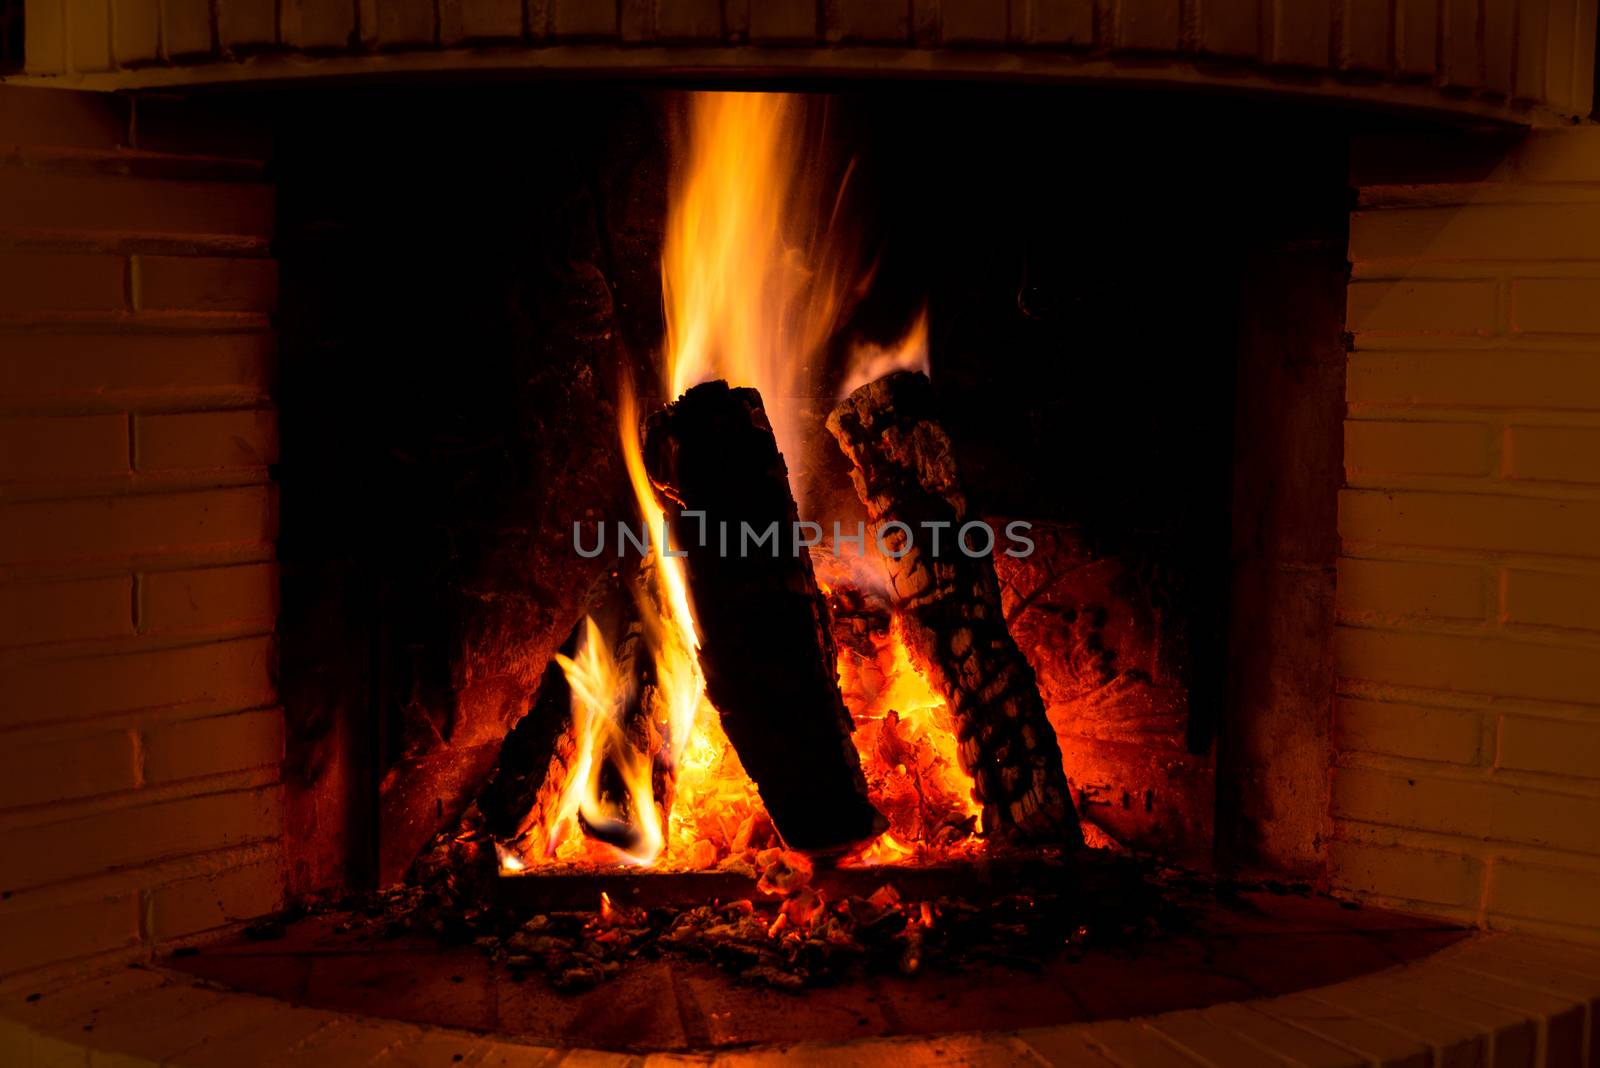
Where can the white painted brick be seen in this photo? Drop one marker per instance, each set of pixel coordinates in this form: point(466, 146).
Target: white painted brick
point(1426, 875)
point(201, 904)
point(1351, 1030)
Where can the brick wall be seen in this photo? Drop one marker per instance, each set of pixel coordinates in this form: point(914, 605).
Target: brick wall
point(1469, 588)
point(139, 738)
point(1497, 57)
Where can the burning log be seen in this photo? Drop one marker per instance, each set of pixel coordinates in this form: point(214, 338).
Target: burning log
point(949, 605)
point(513, 789)
point(537, 753)
point(765, 645)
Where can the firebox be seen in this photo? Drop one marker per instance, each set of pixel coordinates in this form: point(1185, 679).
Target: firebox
point(625, 478)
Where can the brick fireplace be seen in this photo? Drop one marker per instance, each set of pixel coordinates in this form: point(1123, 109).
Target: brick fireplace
point(141, 591)
point(1465, 751)
point(1434, 598)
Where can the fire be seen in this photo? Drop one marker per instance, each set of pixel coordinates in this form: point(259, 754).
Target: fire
point(906, 735)
point(753, 290)
point(751, 275)
point(871, 362)
point(691, 758)
point(631, 823)
point(668, 620)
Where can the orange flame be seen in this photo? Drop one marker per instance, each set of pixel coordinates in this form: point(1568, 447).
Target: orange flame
point(694, 752)
point(600, 694)
point(668, 620)
point(906, 735)
point(752, 294)
point(868, 363)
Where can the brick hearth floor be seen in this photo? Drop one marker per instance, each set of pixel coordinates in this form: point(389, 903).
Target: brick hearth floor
point(1279, 980)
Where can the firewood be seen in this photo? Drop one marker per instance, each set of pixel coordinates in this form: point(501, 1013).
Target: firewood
point(766, 649)
point(949, 606)
point(525, 756)
point(647, 721)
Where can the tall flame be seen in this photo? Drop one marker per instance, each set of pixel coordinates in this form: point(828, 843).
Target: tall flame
point(750, 296)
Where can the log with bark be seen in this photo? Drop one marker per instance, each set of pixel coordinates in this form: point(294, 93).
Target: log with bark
point(949, 606)
point(765, 645)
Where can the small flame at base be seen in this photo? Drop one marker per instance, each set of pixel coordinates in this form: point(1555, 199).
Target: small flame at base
point(600, 698)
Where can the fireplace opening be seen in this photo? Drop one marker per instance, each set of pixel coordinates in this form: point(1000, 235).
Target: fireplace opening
point(540, 531)
point(621, 431)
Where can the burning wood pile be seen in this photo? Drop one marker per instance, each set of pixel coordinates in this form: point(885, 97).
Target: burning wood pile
point(949, 608)
point(766, 649)
point(717, 701)
point(712, 728)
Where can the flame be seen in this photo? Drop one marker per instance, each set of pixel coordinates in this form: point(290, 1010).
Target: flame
point(600, 697)
point(868, 362)
point(694, 753)
point(669, 621)
point(751, 280)
point(905, 732)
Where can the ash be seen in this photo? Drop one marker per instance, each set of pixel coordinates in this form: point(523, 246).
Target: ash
point(793, 931)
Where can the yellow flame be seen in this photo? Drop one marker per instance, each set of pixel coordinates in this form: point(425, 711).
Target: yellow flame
point(906, 734)
point(868, 363)
point(668, 621)
point(744, 300)
point(600, 695)
point(694, 752)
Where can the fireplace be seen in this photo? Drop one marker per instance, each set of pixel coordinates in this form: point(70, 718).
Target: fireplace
point(509, 509)
point(1079, 570)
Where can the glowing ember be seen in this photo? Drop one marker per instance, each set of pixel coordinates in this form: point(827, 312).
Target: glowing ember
point(906, 736)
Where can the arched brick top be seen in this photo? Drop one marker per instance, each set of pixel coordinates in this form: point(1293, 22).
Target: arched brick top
point(1524, 61)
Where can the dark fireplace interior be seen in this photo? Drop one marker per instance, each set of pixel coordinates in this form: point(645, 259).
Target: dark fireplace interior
point(472, 287)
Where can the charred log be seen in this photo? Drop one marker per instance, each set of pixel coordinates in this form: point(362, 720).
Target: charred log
point(766, 650)
point(647, 722)
point(537, 752)
point(525, 755)
point(949, 605)
point(644, 736)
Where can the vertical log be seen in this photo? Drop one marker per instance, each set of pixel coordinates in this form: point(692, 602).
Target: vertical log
point(765, 645)
point(525, 756)
point(949, 605)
